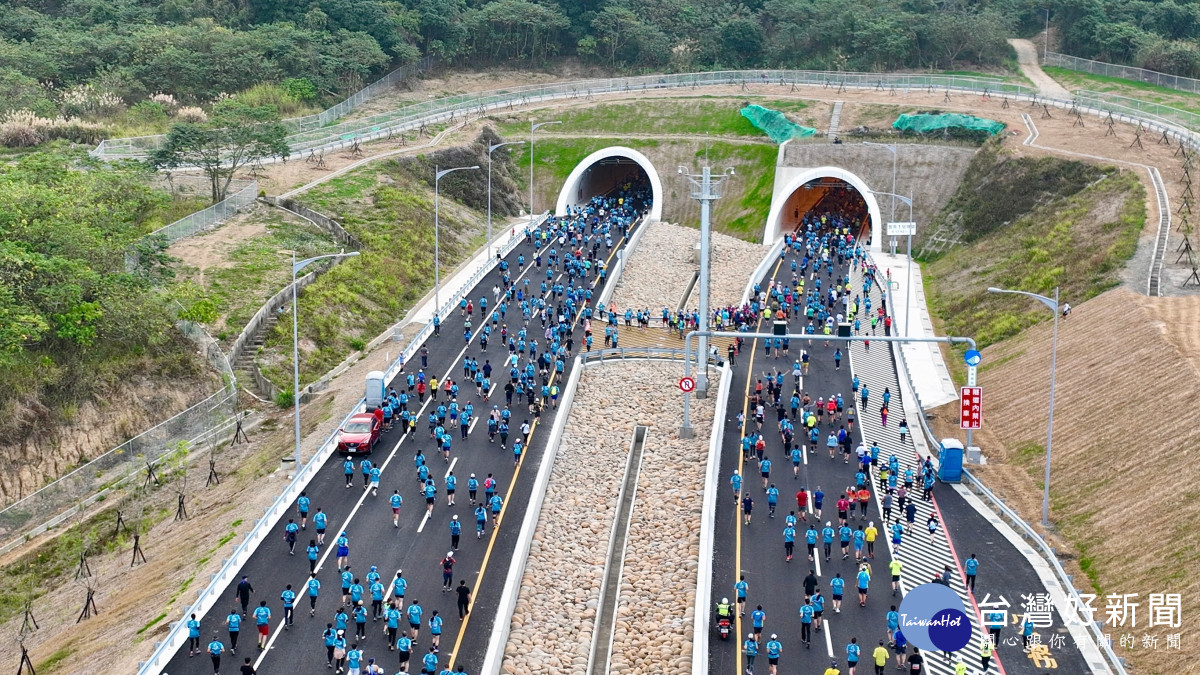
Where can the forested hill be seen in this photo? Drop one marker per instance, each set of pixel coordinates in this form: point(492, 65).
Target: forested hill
point(199, 49)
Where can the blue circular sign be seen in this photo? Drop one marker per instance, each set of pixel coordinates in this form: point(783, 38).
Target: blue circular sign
point(933, 617)
point(972, 357)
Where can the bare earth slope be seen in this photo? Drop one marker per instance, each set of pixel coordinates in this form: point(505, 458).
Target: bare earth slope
point(1124, 486)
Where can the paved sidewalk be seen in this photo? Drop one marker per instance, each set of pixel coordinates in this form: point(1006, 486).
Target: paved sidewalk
point(1004, 570)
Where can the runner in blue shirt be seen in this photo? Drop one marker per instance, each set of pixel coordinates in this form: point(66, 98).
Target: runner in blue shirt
point(234, 622)
point(750, 647)
point(972, 565)
point(757, 618)
point(399, 588)
point(739, 589)
point(774, 649)
point(314, 589)
point(215, 649)
point(789, 542)
point(391, 617)
point(396, 501)
point(480, 520)
point(806, 620)
point(852, 653)
point(772, 499)
point(302, 504)
point(429, 662)
point(860, 539)
point(347, 579)
point(414, 619)
point(810, 538)
point(320, 520)
point(837, 586)
point(796, 459)
point(496, 503)
point(818, 499)
point(435, 631)
point(348, 469)
point(827, 535)
point(736, 482)
point(289, 606)
point(262, 621)
point(193, 626)
point(354, 658)
point(893, 622)
point(864, 580)
point(764, 467)
point(451, 485)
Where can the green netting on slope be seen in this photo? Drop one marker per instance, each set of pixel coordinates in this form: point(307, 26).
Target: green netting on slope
point(776, 125)
point(925, 123)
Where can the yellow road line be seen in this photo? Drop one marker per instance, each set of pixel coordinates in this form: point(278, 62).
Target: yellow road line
point(487, 554)
point(737, 555)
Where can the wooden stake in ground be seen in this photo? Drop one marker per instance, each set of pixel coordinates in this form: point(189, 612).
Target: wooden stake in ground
point(1046, 112)
point(26, 665)
point(1112, 126)
point(1004, 104)
point(1164, 139)
point(1137, 137)
point(89, 604)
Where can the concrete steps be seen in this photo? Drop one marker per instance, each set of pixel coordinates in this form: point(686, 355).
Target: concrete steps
point(834, 119)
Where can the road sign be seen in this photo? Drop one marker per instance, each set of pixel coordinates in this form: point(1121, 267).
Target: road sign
point(972, 357)
point(970, 408)
point(687, 384)
point(901, 229)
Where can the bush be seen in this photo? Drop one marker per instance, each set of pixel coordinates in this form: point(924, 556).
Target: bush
point(275, 95)
point(300, 88)
point(148, 112)
point(284, 398)
point(358, 344)
point(23, 129)
point(191, 114)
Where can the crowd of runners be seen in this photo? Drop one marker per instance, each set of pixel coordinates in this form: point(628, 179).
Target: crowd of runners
point(780, 407)
point(535, 321)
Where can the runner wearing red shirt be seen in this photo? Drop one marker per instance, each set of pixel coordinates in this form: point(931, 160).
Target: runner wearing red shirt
point(802, 504)
point(842, 507)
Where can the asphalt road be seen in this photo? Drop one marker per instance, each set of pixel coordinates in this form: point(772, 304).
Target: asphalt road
point(757, 551)
point(419, 543)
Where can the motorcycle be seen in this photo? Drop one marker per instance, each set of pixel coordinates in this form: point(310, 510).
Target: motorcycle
point(724, 626)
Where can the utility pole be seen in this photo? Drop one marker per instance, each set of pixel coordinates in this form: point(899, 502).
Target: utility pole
point(705, 190)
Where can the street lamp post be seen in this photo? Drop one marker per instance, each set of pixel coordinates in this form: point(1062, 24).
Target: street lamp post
point(705, 189)
point(491, 149)
point(534, 126)
point(437, 274)
point(908, 269)
point(892, 149)
point(296, 267)
point(1053, 305)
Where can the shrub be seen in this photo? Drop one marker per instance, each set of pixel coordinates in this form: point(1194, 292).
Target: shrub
point(191, 114)
point(167, 101)
point(23, 129)
point(300, 88)
point(18, 134)
point(358, 344)
point(148, 112)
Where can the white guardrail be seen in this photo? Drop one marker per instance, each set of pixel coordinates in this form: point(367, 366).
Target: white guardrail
point(708, 516)
point(1027, 531)
point(207, 597)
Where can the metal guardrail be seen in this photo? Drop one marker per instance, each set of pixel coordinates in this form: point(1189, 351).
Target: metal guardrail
point(1027, 531)
point(601, 355)
point(1124, 72)
point(451, 107)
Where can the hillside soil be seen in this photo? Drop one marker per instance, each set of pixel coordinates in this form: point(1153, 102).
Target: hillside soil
point(1123, 491)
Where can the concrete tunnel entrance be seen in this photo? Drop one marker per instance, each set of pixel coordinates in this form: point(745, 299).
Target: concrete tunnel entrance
point(605, 170)
point(820, 192)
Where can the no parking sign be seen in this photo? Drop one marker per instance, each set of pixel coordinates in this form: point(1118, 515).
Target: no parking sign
point(687, 384)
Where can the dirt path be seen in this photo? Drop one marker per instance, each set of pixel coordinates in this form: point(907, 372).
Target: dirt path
point(1027, 58)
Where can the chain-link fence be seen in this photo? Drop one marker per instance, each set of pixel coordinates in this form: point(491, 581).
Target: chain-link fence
point(118, 469)
point(202, 220)
point(450, 108)
point(1124, 72)
point(1135, 107)
point(140, 146)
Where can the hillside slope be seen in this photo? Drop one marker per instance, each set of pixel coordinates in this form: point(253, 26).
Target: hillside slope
point(1123, 490)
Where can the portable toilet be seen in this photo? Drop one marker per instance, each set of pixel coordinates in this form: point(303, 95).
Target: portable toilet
point(950, 461)
point(375, 389)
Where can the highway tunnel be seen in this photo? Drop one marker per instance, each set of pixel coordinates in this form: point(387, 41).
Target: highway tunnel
point(814, 193)
point(607, 170)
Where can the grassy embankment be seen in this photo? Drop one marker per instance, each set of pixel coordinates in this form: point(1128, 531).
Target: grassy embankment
point(389, 207)
point(1030, 224)
point(1073, 80)
point(719, 134)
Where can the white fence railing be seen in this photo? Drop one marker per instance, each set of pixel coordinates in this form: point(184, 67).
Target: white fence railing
point(1154, 77)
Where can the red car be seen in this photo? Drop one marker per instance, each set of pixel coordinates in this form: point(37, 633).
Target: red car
point(359, 435)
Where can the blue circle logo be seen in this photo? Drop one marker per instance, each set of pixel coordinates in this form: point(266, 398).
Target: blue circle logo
point(972, 357)
point(933, 617)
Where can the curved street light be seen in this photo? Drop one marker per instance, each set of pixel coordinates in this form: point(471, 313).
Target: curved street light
point(534, 126)
point(491, 149)
point(1053, 305)
point(437, 273)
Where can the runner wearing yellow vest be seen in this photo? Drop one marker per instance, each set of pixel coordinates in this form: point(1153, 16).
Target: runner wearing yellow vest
point(985, 654)
point(895, 566)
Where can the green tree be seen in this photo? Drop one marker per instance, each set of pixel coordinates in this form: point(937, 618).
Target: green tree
point(237, 135)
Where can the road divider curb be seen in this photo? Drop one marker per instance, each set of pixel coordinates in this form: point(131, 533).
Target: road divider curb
point(708, 517)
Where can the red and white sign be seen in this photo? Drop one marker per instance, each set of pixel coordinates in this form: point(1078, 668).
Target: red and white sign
point(971, 408)
point(687, 384)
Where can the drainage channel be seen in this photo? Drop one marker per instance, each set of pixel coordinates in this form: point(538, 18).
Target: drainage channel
point(614, 564)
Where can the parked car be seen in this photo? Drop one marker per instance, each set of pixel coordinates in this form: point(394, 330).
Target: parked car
point(359, 435)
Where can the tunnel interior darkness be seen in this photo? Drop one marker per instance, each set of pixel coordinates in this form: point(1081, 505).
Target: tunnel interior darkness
point(608, 175)
point(826, 196)
point(607, 171)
